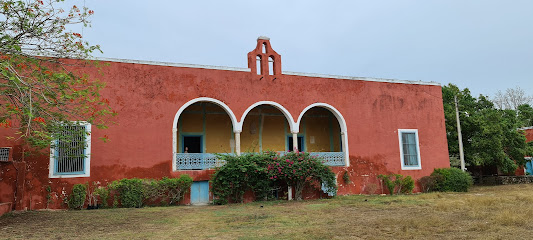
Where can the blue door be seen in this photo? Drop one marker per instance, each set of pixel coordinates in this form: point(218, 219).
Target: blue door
point(529, 167)
point(200, 192)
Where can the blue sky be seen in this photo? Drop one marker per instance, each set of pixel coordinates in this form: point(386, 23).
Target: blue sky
point(485, 45)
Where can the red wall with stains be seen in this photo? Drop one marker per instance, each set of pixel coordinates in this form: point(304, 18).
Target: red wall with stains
point(529, 134)
point(147, 98)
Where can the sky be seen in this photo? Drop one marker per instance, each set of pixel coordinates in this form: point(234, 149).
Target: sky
point(483, 45)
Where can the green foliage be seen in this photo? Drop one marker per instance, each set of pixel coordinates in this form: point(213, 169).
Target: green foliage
point(346, 177)
point(103, 193)
point(130, 192)
point(452, 179)
point(239, 174)
point(48, 195)
point(490, 136)
point(428, 183)
point(266, 171)
point(175, 188)
point(76, 199)
point(298, 169)
point(396, 183)
point(137, 192)
point(407, 185)
point(41, 95)
point(167, 191)
point(389, 183)
point(525, 115)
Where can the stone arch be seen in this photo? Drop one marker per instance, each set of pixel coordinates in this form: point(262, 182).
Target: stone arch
point(340, 119)
point(234, 122)
point(278, 106)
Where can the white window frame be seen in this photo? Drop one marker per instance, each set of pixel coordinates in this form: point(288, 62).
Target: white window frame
point(86, 161)
point(404, 167)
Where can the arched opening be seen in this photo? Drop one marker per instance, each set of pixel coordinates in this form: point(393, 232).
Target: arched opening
point(324, 131)
point(201, 129)
point(270, 66)
point(258, 65)
point(265, 127)
point(264, 48)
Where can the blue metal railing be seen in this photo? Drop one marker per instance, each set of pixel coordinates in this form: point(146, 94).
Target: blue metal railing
point(199, 161)
point(330, 158)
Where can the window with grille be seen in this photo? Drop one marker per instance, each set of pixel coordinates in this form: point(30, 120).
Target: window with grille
point(70, 152)
point(5, 154)
point(409, 149)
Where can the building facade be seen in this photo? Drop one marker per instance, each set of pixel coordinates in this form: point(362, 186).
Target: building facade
point(173, 117)
point(528, 168)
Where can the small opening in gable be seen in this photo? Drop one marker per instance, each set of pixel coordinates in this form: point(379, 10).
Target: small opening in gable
point(270, 66)
point(258, 65)
point(264, 47)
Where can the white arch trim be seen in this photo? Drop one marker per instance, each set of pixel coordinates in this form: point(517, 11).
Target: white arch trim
point(206, 99)
point(283, 110)
point(342, 124)
point(180, 111)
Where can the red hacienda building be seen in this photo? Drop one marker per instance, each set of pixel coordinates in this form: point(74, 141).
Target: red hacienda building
point(173, 117)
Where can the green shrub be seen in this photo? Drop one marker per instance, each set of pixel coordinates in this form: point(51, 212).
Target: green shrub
point(428, 183)
point(76, 199)
point(407, 185)
point(298, 169)
point(103, 193)
point(174, 189)
point(263, 172)
point(130, 192)
point(452, 179)
point(399, 184)
point(239, 174)
point(346, 177)
point(389, 184)
point(138, 192)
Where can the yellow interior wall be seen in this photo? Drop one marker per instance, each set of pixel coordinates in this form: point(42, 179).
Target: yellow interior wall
point(317, 127)
point(192, 122)
point(218, 130)
point(189, 123)
point(274, 133)
point(249, 140)
point(336, 134)
point(218, 133)
point(317, 124)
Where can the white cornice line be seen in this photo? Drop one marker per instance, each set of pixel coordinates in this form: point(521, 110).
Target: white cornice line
point(526, 128)
point(317, 75)
point(168, 64)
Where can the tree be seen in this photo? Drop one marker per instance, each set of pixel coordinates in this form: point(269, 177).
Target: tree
point(490, 135)
point(525, 115)
point(512, 98)
point(41, 94)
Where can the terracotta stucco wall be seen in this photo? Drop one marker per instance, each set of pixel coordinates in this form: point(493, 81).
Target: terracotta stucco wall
point(147, 98)
point(529, 135)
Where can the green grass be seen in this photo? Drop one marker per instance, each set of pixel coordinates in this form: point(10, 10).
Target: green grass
point(500, 212)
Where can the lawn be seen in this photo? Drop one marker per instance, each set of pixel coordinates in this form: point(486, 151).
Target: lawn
point(499, 212)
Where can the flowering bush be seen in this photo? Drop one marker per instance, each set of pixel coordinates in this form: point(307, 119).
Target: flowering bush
point(239, 174)
point(266, 171)
point(298, 169)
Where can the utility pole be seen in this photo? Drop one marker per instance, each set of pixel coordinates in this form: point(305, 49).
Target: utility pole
point(459, 136)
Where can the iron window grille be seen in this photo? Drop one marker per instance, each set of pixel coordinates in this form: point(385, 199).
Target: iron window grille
point(70, 152)
point(5, 154)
